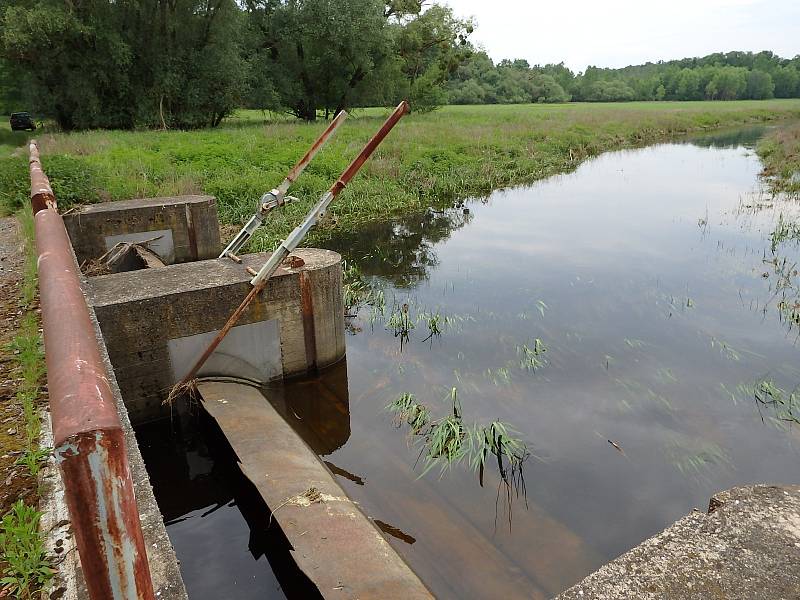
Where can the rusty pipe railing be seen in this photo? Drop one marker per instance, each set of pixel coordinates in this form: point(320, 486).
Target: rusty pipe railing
point(88, 440)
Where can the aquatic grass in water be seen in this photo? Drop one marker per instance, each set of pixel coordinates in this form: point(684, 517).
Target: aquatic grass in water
point(435, 323)
point(500, 375)
point(447, 441)
point(532, 358)
point(785, 230)
point(400, 322)
point(407, 410)
point(696, 459)
point(785, 405)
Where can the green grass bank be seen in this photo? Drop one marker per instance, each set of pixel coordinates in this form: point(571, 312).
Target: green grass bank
point(780, 153)
point(429, 159)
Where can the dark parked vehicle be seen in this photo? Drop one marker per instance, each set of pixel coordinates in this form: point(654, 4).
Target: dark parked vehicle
point(21, 121)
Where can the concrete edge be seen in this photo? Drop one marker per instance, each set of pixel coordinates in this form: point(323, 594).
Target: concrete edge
point(745, 547)
point(68, 582)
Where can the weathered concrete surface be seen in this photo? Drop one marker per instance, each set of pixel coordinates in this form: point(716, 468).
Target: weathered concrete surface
point(747, 547)
point(334, 543)
point(69, 583)
point(142, 312)
point(187, 227)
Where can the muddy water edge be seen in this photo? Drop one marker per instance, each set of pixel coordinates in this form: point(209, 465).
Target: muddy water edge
point(631, 322)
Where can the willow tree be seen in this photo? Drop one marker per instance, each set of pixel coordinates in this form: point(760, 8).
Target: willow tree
point(127, 63)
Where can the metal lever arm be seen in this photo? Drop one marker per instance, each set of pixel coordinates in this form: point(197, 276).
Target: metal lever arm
point(259, 282)
point(277, 197)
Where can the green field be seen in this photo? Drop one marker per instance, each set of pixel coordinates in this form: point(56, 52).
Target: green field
point(430, 159)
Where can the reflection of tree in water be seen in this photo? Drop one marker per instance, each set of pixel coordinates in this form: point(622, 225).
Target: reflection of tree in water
point(401, 250)
point(734, 138)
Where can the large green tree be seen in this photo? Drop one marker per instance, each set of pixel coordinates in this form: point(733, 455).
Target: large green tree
point(315, 54)
point(128, 63)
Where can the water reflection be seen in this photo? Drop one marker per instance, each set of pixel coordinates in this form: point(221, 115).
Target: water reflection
point(401, 251)
point(215, 518)
point(642, 277)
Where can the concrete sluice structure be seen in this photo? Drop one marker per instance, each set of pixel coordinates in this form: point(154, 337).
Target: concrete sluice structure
point(152, 324)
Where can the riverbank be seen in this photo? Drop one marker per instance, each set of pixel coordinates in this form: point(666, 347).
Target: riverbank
point(429, 159)
point(780, 153)
point(745, 547)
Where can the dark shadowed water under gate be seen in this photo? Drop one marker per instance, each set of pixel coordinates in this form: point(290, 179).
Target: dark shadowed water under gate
point(649, 279)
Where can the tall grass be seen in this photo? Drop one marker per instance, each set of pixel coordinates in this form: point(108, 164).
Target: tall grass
point(456, 152)
point(780, 153)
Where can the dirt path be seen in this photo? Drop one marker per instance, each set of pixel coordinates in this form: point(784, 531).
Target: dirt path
point(15, 482)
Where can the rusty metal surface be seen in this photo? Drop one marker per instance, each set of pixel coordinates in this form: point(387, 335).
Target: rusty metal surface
point(335, 544)
point(87, 434)
point(41, 193)
point(291, 242)
point(367, 151)
point(292, 176)
point(309, 332)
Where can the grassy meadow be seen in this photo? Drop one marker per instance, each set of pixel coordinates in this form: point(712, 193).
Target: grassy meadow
point(429, 159)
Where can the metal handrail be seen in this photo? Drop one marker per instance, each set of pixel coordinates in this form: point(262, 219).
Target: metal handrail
point(89, 443)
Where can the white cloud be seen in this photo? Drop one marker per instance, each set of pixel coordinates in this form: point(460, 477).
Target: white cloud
point(615, 33)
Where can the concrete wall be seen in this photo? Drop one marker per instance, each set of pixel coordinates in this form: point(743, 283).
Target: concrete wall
point(187, 227)
point(156, 322)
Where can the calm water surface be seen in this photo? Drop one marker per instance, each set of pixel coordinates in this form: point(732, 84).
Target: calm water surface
point(644, 275)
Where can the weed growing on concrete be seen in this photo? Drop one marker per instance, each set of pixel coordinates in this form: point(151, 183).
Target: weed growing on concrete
point(22, 549)
point(30, 273)
point(27, 351)
point(26, 569)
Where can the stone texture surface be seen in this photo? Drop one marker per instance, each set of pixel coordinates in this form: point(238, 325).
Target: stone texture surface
point(747, 547)
point(191, 219)
point(141, 311)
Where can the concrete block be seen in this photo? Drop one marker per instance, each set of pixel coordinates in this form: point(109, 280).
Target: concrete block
point(187, 227)
point(746, 547)
point(155, 323)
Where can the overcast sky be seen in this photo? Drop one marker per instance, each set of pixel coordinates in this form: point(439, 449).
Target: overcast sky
point(616, 33)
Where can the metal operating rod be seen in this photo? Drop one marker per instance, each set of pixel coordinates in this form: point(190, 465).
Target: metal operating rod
point(277, 197)
point(259, 282)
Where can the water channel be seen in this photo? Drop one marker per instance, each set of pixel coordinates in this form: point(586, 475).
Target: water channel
point(650, 281)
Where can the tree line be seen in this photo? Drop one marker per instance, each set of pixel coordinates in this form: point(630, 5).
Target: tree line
point(190, 63)
point(719, 76)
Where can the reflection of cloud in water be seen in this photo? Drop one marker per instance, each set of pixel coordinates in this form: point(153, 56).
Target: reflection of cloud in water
point(615, 252)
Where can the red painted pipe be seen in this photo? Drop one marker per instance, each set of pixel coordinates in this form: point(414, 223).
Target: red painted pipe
point(89, 443)
point(41, 193)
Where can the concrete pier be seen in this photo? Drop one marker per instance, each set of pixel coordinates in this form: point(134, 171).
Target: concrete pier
point(156, 322)
point(185, 228)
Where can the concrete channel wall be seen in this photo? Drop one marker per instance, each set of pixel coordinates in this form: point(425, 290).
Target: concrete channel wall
point(156, 322)
point(181, 228)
